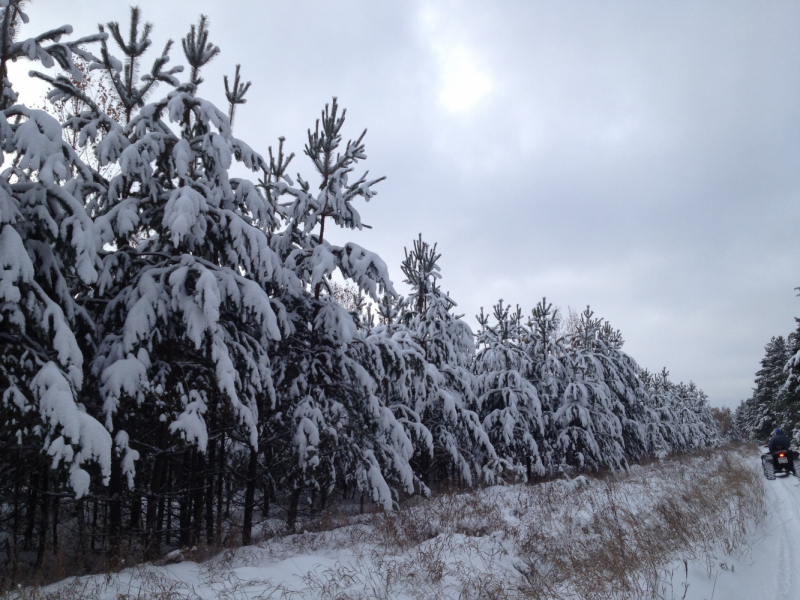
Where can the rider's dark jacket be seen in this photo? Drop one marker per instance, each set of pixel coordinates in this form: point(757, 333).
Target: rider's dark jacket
point(779, 442)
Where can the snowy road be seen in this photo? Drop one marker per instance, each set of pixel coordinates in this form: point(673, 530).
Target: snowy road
point(771, 570)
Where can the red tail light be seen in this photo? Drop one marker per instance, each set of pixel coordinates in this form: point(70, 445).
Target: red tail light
point(781, 454)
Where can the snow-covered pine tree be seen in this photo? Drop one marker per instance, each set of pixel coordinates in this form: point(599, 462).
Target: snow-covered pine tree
point(789, 395)
point(508, 402)
point(622, 378)
point(48, 255)
point(188, 278)
point(589, 432)
point(694, 415)
point(766, 409)
point(771, 392)
point(396, 362)
point(446, 401)
point(659, 422)
point(665, 434)
point(681, 417)
point(412, 378)
point(548, 371)
point(744, 417)
point(332, 424)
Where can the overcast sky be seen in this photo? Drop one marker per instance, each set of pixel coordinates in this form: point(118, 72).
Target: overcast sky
point(639, 157)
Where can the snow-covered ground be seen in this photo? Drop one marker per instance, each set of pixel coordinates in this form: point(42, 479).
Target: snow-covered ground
point(583, 538)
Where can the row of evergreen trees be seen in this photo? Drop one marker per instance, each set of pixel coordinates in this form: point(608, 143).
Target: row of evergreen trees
point(177, 364)
point(775, 403)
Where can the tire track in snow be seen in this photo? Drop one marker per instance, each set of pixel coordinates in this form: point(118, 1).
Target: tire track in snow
point(784, 496)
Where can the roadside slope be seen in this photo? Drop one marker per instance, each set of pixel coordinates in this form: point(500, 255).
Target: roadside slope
point(618, 536)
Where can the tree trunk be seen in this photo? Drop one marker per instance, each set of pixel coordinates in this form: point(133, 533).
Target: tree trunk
point(220, 486)
point(198, 489)
point(209, 491)
point(30, 509)
point(158, 532)
point(168, 505)
point(80, 517)
point(291, 516)
point(136, 512)
point(56, 504)
point(94, 524)
point(104, 529)
point(17, 486)
point(184, 514)
point(228, 496)
point(45, 519)
point(115, 510)
point(250, 498)
point(155, 511)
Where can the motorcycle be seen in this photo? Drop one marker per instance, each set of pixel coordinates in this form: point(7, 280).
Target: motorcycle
point(780, 461)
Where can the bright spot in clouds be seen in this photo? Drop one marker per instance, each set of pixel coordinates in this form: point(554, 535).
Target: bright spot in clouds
point(463, 77)
point(464, 82)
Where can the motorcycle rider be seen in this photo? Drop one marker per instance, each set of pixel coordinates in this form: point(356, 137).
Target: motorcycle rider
point(779, 442)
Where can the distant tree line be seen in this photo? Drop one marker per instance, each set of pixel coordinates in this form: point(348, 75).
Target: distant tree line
point(775, 403)
point(177, 365)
